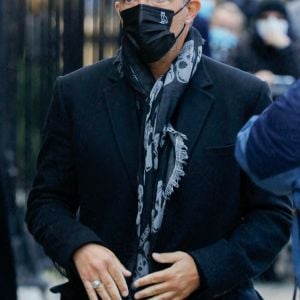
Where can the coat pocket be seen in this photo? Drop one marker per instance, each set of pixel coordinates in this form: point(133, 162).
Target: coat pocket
point(221, 150)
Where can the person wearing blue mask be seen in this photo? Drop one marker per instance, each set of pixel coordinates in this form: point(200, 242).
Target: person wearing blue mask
point(268, 149)
point(137, 193)
point(226, 27)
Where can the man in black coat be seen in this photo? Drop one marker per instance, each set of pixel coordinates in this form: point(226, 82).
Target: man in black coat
point(138, 194)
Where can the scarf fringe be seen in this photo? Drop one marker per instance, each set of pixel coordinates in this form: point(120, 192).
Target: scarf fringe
point(181, 157)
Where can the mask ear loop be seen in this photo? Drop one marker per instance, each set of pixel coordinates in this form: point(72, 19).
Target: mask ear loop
point(181, 31)
point(186, 3)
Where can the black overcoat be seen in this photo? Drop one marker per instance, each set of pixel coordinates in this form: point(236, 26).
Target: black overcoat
point(89, 161)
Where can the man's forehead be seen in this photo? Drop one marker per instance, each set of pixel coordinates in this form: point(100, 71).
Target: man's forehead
point(150, 1)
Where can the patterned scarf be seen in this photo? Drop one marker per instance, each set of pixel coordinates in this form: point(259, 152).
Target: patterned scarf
point(163, 152)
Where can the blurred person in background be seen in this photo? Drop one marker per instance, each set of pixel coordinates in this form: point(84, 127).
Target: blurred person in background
point(202, 20)
point(226, 27)
point(268, 149)
point(271, 51)
point(8, 287)
point(247, 7)
point(207, 8)
point(202, 25)
point(221, 24)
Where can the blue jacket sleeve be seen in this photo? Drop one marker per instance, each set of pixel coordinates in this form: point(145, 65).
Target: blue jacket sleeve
point(268, 147)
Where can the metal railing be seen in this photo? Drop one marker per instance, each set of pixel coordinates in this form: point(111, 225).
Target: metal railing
point(39, 40)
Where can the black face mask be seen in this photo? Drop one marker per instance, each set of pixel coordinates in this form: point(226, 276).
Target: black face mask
point(148, 30)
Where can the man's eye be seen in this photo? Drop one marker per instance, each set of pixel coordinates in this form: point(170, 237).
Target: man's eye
point(127, 1)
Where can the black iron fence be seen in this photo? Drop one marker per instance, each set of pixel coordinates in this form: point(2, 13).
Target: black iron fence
point(39, 40)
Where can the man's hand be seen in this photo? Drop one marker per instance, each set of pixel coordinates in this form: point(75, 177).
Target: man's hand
point(174, 283)
point(95, 262)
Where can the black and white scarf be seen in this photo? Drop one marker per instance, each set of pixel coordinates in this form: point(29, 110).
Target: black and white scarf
point(163, 151)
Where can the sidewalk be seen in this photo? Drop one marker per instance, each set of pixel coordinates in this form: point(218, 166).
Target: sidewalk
point(268, 292)
point(276, 291)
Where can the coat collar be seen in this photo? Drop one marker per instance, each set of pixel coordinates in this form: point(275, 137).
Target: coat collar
point(195, 106)
point(192, 113)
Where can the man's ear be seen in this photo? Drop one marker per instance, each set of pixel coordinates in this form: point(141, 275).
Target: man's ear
point(193, 7)
point(117, 8)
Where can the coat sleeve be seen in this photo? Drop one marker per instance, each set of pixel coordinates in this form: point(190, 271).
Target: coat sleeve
point(268, 146)
point(281, 183)
point(53, 201)
point(263, 230)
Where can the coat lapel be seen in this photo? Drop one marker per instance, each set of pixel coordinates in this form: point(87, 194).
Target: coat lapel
point(120, 101)
point(192, 114)
point(195, 107)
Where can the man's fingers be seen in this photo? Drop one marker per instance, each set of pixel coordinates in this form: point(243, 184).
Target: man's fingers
point(152, 290)
point(153, 278)
point(102, 292)
point(110, 286)
point(94, 259)
point(167, 258)
point(90, 290)
point(125, 272)
point(120, 281)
